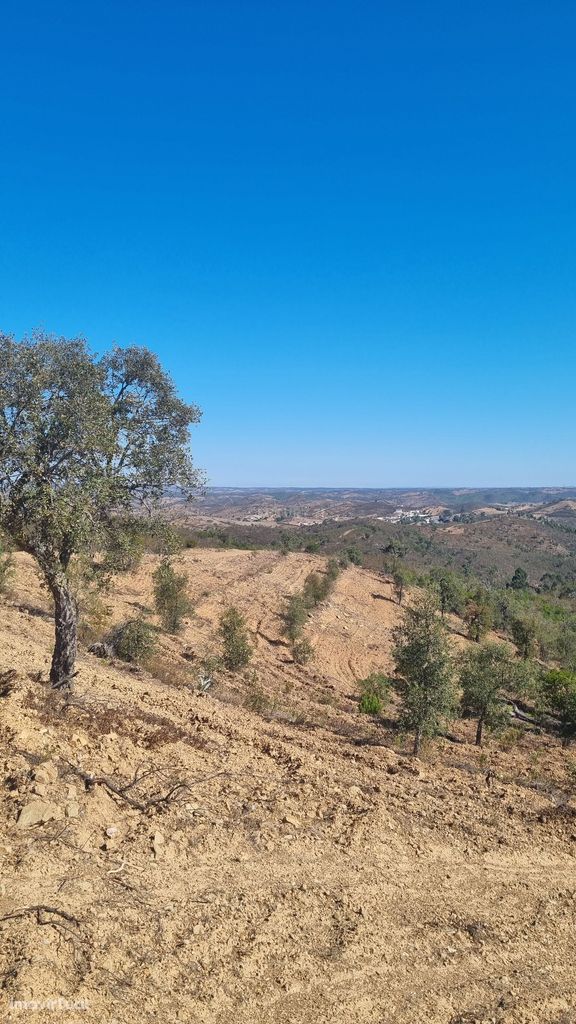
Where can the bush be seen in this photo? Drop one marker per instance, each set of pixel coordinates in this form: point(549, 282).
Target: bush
point(170, 597)
point(236, 648)
point(332, 569)
point(354, 555)
point(370, 704)
point(316, 589)
point(295, 617)
point(374, 693)
point(559, 693)
point(133, 641)
point(302, 651)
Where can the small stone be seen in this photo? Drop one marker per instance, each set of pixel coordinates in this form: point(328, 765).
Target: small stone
point(157, 843)
point(290, 819)
point(72, 809)
point(46, 772)
point(111, 831)
point(40, 788)
point(37, 812)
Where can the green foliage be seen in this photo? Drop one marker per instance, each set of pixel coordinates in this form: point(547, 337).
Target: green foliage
point(487, 672)
point(399, 580)
point(302, 651)
point(449, 591)
point(332, 569)
point(519, 580)
point(170, 597)
point(374, 693)
point(424, 665)
point(354, 555)
point(525, 635)
point(370, 704)
point(125, 546)
point(478, 614)
point(316, 589)
point(295, 616)
point(82, 440)
point(559, 693)
point(133, 641)
point(237, 651)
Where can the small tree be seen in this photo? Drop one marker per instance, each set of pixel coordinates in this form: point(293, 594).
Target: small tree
point(237, 651)
point(82, 441)
point(424, 665)
point(559, 693)
point(449, 592)
point(486, 673)
point(316, 589)
point(519, 580)
point(399, 580)
point(525, 635)
point(478, 615)
point(170, 597)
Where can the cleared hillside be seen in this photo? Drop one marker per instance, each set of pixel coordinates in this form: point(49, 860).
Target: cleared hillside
point(302, 867)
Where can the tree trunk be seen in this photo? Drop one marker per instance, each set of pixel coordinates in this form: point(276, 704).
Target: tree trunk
point(479, 728)
point(66, 641)
point(417, 741)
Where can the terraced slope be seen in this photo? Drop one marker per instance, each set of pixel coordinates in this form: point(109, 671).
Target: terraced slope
point(278, 859)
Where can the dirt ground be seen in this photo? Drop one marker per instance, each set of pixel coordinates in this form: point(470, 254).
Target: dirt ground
point(277, 857)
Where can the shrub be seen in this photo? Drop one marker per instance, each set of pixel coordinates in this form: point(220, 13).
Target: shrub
point(370, 704)
point(332, 569)
point(133, 641)
point(302, 651)
point(236, 648)
point(295, 617)
point(559, 693)
point(519, 580)
point(170, 597)
point(354, 555)
point(374, 693)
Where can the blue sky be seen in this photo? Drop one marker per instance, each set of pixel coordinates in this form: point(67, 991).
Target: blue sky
point(348, 229)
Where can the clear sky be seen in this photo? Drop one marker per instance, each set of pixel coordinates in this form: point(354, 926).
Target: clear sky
point(348, 229)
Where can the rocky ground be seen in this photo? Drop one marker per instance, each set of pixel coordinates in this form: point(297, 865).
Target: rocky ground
point(263, 853)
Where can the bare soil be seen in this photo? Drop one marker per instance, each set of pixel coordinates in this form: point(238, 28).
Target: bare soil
point(276, 857)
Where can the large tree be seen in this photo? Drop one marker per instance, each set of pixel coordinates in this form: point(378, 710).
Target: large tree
point(84, 440)
point(424, 665)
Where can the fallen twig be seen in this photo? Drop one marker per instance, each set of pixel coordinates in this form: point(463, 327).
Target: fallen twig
point(39, 909)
